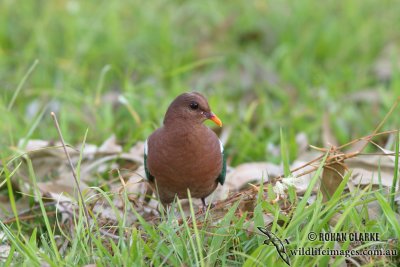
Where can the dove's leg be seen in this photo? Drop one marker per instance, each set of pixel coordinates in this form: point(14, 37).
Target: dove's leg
point(203, 200)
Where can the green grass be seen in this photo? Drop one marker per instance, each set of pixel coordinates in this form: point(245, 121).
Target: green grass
point(270, 70)
point(287, 61)
point(229, 242)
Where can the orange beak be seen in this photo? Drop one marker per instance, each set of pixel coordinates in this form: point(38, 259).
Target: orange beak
point(215, 119)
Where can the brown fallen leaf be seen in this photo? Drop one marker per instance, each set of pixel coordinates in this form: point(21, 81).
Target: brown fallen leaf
point(366, 169)
point(253, 172)
point(6, 210)
point(62, 187)
point(332, 176)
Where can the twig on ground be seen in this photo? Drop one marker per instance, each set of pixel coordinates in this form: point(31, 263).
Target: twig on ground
point(53, 115)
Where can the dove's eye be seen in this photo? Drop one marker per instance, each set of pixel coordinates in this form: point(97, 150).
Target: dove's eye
point(194, 105)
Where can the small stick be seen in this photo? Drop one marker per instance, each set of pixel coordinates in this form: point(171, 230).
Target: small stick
point(53, 115)
point(367, 137)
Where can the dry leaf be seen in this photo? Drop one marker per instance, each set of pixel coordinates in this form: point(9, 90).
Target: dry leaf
point(366, 170)
point(368, 95)
point(302, 143)
point(332, 176)
point(62, 187)
point(4, 252)
point(247, 173)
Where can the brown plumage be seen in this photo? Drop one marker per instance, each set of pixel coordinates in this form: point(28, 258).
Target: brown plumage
point(184, 153)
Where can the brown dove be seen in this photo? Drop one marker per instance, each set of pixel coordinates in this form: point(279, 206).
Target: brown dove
point(184, 153)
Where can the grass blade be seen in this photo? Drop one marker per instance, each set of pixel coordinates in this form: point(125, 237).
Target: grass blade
point(395, 174)
point(22, 82)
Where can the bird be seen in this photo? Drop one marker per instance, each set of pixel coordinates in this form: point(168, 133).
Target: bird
point(184, 153)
